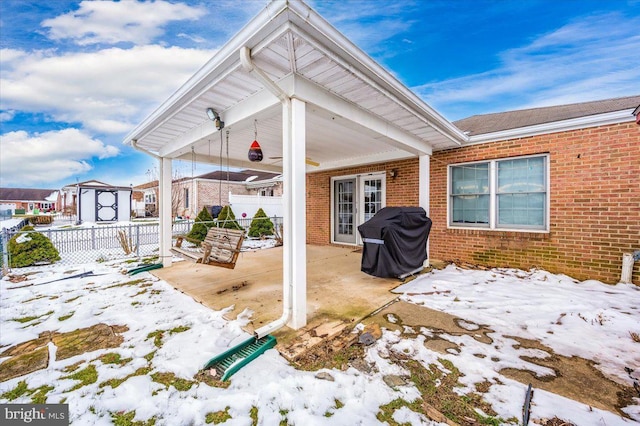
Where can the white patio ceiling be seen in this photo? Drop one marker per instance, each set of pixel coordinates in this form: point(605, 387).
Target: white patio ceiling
point(356, 113)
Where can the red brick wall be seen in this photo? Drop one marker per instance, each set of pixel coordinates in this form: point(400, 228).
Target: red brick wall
point(595, 205)
point(401, 191)
point(209, 192)
point(594, 210)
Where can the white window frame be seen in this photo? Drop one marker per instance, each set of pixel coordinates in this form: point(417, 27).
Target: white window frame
point(493, 198)
point(358, 193)
point(150, 197)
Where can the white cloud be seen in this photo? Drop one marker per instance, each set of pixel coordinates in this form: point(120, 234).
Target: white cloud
point(114, 22)
point(107, 91)
point(193, 38)
point(7, 115)
point(593, 58)
point(47, 157)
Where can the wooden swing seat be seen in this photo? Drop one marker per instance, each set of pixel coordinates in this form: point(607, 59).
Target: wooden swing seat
point(220, 247)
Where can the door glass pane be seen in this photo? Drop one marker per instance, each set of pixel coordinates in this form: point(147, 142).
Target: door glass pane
point(372, 197)
point(344, 195)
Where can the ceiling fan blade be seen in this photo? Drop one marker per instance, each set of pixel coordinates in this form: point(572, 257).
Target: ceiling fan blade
point(307, 160)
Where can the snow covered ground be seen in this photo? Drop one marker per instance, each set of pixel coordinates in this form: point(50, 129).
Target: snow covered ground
point(553, 309)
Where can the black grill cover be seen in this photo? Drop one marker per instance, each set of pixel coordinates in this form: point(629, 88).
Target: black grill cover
point(395, 241)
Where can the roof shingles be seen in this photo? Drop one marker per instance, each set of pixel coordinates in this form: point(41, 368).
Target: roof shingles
point(489, 123)
point(25, 194)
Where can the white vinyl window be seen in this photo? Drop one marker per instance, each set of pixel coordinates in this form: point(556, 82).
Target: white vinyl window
point(500, 194)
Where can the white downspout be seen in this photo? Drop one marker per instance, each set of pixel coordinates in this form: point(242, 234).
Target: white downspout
point(287, 305)
point(134, 144)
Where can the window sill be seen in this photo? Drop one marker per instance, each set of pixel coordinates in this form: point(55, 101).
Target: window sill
point(501, 233)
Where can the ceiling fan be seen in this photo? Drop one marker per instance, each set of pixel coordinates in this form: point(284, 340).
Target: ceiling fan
point(307, 160)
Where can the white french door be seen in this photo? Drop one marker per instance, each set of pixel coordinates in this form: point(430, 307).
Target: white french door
point(355, 199)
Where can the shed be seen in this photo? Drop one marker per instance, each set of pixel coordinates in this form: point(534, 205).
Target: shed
point(103, 203)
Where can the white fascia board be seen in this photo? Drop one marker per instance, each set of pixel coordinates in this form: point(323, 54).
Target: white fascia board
point(242, 111)
point(227, 57)
point(554, 127)
point(307, 18)
point(379, 157)
point(314, 94)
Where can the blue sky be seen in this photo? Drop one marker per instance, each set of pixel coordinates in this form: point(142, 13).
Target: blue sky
point(76, 76)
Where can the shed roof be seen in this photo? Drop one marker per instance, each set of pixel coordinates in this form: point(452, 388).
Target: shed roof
point(496, 122)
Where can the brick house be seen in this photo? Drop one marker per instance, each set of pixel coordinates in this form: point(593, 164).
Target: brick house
point(28, 199)
point(590, 190)
point(551, 187)
point(574, 206)
point(190, 195)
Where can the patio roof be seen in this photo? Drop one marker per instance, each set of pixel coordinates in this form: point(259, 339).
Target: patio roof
point(356, 113)
point(317, 101)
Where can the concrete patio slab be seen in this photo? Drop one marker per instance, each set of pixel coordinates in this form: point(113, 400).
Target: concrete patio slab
point(337, 291)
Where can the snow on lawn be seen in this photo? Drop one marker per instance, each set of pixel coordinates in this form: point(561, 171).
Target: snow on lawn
point(510, 302)
point(588, 319)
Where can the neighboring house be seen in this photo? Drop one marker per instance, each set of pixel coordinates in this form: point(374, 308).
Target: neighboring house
point(28, 199)
point(190, 195)
point(95, 201)
point(147, 193)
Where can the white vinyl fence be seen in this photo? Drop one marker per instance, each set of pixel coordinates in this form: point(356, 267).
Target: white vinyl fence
point(101, 243)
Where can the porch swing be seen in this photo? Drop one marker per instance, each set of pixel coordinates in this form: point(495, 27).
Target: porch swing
point(221, 246)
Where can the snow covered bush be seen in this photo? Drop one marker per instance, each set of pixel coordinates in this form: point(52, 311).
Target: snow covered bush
point(32, 248)
point(226, 219)
point(261, 225)
point(201, 226)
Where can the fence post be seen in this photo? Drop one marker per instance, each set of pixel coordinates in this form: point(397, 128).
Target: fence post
point(4, 242)
point(93, 238)
point(138, 241)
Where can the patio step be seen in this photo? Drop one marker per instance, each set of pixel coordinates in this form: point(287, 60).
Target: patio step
point(229, 362)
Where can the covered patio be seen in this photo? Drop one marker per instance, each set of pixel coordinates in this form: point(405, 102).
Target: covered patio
point(338, 294)
point(315, 102)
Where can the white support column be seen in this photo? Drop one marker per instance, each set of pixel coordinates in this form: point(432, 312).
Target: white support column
point(423, 183)
point(287, 228)
point(298, 201)
point(165, 211)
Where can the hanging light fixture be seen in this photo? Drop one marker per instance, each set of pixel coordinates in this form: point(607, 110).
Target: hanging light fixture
point(215, 117)
point(255, 152)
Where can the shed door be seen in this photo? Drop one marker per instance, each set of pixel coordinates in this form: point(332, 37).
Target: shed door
point(106, 206)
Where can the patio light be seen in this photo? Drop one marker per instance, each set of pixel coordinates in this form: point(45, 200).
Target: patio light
point(215, 117)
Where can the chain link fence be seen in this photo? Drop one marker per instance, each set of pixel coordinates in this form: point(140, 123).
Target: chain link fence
point(101, 243)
